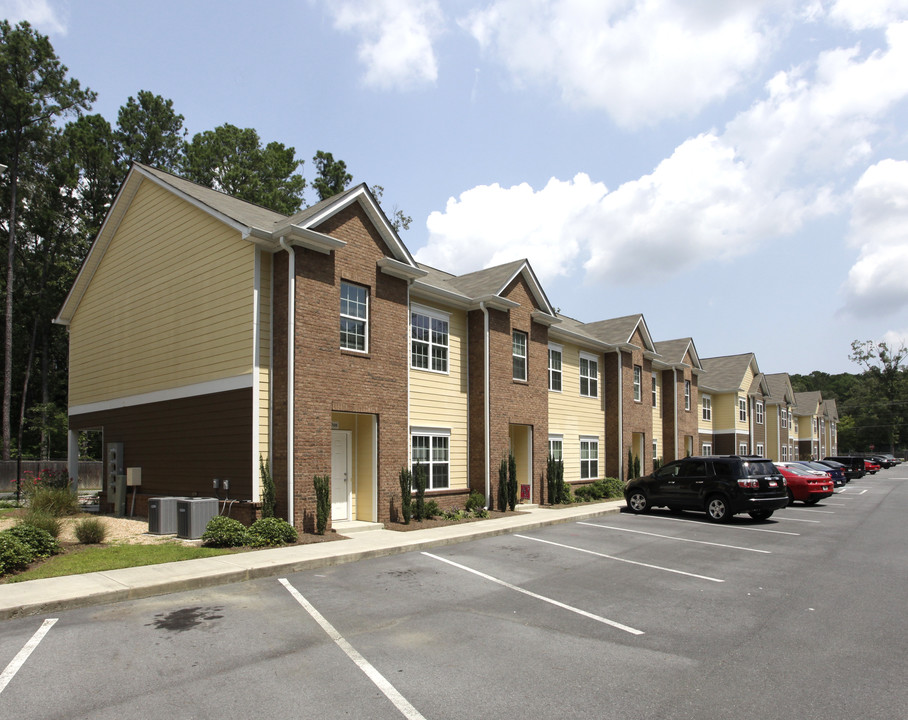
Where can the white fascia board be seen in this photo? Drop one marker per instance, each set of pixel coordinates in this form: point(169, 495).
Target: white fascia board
point(309, 239)
point(424, 290)
point(397, 269)
point(535, 286)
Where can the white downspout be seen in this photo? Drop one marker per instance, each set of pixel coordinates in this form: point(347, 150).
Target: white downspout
point(750, 424)
point(291, 373)
point(487, 409)
point(620, 418)
point(675, 406)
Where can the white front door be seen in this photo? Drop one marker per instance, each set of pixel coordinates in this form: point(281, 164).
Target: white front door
point(341, 481)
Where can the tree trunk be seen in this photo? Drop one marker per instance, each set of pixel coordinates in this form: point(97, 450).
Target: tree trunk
point(10, 278)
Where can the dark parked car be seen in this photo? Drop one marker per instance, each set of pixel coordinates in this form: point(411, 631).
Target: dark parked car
point(836, 472)
point(881, 460)
point(854, 465)
point(836, 466)
point(720, 485)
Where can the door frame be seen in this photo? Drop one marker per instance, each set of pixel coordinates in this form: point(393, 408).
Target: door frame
point(348, 485)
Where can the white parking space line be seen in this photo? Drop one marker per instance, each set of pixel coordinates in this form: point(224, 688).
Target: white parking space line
point(551, 601)
point(829, 504)
point(785, 518)
point(18, 661)
point(717, 525)
point(817, 512)
point(400, 702)
point(624, 560)
point(672, 537)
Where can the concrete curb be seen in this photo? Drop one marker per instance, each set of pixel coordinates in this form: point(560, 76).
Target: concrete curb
point(37, 597)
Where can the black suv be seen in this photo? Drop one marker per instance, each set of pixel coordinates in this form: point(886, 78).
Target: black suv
point(721, 485)
point(854, 465)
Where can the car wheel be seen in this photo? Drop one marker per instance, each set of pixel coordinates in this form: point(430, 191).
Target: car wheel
point(791, 497)
point(717, 509)
point(811, 501)
point(760, 514)
point(637, 502)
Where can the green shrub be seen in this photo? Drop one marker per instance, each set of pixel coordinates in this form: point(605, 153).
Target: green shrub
point(512, 482)
point(614, 488)
point(270, 531)
point(480, 512)
point(269, 495)
point(420, 480)
point(44, 521)
point(566, 496)
point(406, 494)
point(222, 531)
point(58, 502)
point(40, 543)
point(431, 510)
point(503, 485)
point(322, 502)
point(14, 554)
point(477, 501)
point(90, 531)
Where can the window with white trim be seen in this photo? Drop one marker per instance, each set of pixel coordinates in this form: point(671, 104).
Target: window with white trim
point(638, 383)
point(707, 402)
point(428, 340)
point(556, 447)
point(687, 395)
point(589, 458)
point(654, 392)
point(759, 450)
point(707, 448)
point(431, 451)
point(655, 448)
point(589, 376)
point(742, 409)
point(759, 412)
point(784, 419)
point(784, 453)
point(555, 368)
point(789, 419)
point(519, 354)
point(742, 449)
point(354, 317)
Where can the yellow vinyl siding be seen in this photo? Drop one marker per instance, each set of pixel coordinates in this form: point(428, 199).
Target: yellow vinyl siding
point(573, 416)
point(706, 425)
point(439, 400)
point(149, 323)
point(657, 418)
point(265, 333)
point(725, 411)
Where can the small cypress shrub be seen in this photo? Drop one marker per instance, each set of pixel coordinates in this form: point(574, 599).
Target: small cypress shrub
point(270, 531)
point(550, 478)
point(322, 502)
point(636, 466)
point(223, 531)
point(14, 554)
point(559, 480)
point(420, 479)
point(512, 481)
point(90, 531)
point(269, 497)
point(503, 486)
point(406, 494)
point(40, 543)
point(630, 464)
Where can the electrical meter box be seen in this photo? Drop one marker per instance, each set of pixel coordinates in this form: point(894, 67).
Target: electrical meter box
point(116, 477)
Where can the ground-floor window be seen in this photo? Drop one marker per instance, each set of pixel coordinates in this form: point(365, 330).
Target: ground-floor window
point(556, 447)
point(742, 449)
point(707, 448)
point(432, 452)
point(589, 458)
point(784, 453)
point(759, 450)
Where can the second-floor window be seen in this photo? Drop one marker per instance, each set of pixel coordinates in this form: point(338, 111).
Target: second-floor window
point(759, 414)
point(784, 418)
point(519, 354)
point(687, 394)
point(707, 401)
point(589, 376)
point(638, 382)
point(428, 341)
point(554, 368)
point(654, 392)
point(354, 318)
point(742, 409)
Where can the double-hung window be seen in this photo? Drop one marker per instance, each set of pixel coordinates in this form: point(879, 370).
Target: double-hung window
point(589, 376)
point(707, 448)
point(759, 413)
point(707, 401)
point(589, 458)
point(742, 409)
point(519, 353)
point(556, 447)
point(654, 392)
point(687, 395)
point(354, 318)
point(428, 340)
point(784, 418)
point(555, 354)
point(638, 382)
point(742, 449)
point(430, 451)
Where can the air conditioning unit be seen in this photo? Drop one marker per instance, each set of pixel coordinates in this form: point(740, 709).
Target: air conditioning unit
point(193, 515)
point(162, 515)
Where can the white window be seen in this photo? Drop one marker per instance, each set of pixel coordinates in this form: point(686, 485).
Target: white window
point(759, 450)
point(784, 419)
point(428, 340)
point(589, 376)
point(638, 382)
point(784, 453)
point(707, 448)
point(519, 353)
point(687, 395)
point(815, 427)
point(742, 409)
point(555, 368)
point(654, 393)
point(354, 317)
point(707, 401)
point(556, 447)
point(759, 412)
point(655, 449)
point(430, 451)
point(789, 419)
point(742, 449)
point(589, 458)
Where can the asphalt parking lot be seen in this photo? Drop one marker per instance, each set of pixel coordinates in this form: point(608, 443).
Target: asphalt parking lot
point(624, 616)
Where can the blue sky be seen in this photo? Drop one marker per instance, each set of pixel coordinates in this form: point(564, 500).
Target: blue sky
point(735, 170)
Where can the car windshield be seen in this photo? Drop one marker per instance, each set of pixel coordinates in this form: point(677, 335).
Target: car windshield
point(759, 468)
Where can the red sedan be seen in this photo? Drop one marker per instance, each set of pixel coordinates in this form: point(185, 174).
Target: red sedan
point(871, 467)
point(808, 486)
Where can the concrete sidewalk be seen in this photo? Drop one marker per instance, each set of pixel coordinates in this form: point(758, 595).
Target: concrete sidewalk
point(73, 591)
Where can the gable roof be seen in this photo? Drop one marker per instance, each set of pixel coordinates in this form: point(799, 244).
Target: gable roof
point(808, 403)
point(620, 331)
point(673, 352)
point(253, 222)
point(780, 389)
point(726, 373)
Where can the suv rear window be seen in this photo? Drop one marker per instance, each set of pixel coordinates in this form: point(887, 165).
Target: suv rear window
point(757, 469)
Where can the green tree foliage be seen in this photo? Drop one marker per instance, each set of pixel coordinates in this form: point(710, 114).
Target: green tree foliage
point(332, 178)
point(398, 220)
point(149, 131)
point(232, 160)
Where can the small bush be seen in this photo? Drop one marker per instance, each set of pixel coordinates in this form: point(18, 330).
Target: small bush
point(44, 521)
point(58, 502)
point(567, 497)
point(420, 480)
point(270, 531)
point(269, 493)
point(90, 531)
point(431, 510)
point(503, 485)
point(222, 531)
point(477, 501)
point(406, 494)
point(14, 554)
point(40, 543)
point(614, 488)
point(322, 502)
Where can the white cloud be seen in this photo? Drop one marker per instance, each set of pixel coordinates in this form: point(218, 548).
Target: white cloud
point(489, 225)
point(879, 227)
point(395, 39)
point(865, 14)
point(39, 13)
point(640, 61)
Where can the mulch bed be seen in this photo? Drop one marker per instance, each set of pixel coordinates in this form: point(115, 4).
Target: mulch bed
point(442, 522)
